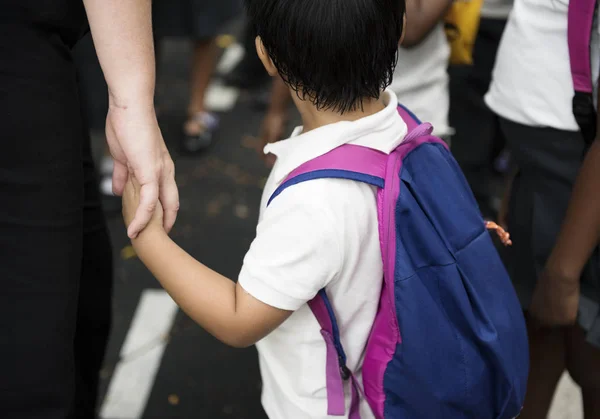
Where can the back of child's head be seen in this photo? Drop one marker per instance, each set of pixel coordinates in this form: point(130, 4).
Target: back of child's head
point(334, 53)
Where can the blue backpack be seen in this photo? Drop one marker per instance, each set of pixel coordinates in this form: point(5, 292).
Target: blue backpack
point(449, 338)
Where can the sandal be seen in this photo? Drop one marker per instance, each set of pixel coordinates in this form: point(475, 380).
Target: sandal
point(208, 124)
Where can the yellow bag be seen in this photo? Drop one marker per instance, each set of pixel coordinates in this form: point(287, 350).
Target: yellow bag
point(461, 24)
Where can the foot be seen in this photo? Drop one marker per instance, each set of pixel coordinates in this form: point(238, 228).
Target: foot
point(198, 132)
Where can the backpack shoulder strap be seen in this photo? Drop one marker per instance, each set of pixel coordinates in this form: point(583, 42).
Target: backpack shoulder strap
point(580, 21)
point(336, 371)
point(354, 162)
point(409, 118)
point(345, 162)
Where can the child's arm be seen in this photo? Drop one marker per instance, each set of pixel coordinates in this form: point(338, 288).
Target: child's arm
point(216, 303)
point(421, 17)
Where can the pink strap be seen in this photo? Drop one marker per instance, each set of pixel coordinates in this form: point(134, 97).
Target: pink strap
point(357, 394)
point(581, 16)
point(409, 119)
point(420, 131)
point(347, 157)
point(336, 402)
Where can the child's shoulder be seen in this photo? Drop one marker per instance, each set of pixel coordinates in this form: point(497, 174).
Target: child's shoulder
point(326, 194)
point(326, 204)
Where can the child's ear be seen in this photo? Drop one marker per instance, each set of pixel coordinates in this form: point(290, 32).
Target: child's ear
point(264, 57)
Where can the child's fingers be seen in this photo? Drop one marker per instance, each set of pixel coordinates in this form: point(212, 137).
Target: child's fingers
point(502, 234)
point(148, 199)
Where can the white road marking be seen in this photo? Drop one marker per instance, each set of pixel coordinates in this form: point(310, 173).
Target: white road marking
point(567, 402)
point(220, 98)
point(141, 356)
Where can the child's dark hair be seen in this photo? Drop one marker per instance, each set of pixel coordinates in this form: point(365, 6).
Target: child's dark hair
point(334, 53)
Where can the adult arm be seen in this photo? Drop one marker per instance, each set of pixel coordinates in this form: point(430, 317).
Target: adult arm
point(421, 17)
point(556, 297)
point(122, 33)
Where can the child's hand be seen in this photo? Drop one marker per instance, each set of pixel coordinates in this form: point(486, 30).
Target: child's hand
point(500, 232)
point(271, 131)
point(131, 201)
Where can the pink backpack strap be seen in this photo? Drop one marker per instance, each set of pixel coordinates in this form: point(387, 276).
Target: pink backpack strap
point(580, 20)
point(336, 371)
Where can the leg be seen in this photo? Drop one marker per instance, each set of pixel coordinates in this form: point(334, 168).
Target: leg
point(95, 292)
point(200, 125)
point(41, 215)
point(547, 363)
point(203, 66)
point(583, 363)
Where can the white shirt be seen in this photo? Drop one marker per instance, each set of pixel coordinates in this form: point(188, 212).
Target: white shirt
point(532, 82)
point(496, 9)
point(421, 80)
point(316, 234)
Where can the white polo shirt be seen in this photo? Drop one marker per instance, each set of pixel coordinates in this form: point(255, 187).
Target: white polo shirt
point(316, 234)
point(496, 9)
point(421, 80)
point(532, 82)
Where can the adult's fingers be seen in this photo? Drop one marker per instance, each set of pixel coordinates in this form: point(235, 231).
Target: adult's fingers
point(119, 178)
point(145, 210)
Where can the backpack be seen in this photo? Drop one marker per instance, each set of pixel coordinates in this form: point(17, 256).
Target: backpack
point(579, 32)
point(461, 25)
point(449, 338)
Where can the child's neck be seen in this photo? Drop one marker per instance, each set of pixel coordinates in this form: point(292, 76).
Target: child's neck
point(313, 118)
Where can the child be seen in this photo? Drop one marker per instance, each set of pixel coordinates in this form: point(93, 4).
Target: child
point(309, 237)
point(532, 93)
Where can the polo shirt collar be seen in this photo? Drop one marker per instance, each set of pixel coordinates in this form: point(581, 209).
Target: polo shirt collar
point(382, 131)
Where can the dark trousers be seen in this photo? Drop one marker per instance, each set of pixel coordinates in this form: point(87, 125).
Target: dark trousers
point(55, 254)
point(478, 138)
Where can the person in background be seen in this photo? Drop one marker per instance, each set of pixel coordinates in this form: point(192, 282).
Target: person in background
point(199, 20)
point(55, 256)
point(478, 141)
point(420, 78)
point(532, 92)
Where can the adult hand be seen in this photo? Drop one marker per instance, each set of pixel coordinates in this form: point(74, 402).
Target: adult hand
point(271, 131)
point(137, 147)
